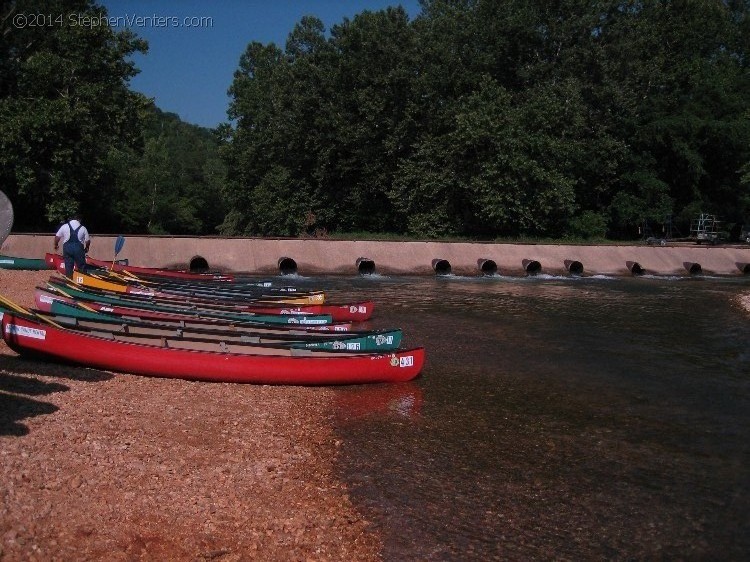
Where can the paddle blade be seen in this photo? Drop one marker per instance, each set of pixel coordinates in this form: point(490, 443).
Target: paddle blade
point(119, 243)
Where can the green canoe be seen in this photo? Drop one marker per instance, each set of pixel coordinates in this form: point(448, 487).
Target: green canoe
point(31, 264)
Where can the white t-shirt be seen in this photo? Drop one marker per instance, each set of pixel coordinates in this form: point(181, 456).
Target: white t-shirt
point(63, 232)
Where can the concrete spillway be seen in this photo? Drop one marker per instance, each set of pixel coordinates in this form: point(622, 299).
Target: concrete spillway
point(320, 256)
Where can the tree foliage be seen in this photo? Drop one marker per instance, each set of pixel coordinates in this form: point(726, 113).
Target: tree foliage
point(477, 118)
point(75, 138)
point(172, 185)
point(494, 117)
point(64, 105)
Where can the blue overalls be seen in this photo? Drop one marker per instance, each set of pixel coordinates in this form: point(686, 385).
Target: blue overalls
point(74, 252)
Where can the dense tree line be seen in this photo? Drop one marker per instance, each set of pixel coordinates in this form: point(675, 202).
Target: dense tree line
point(490, 118)
point(477, 118)
point(75, 138)
point(172, 185)
point(64, 104)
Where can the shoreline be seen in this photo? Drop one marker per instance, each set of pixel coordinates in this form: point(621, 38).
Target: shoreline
point(103, 466)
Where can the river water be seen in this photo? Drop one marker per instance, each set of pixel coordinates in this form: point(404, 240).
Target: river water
point(556, 418)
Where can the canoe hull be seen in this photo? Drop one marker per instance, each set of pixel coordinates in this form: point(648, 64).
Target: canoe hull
point(27, 264)
point(26, 336)
point(115, 302)
point(55, 261)
point(355, 312)
point(47, 302)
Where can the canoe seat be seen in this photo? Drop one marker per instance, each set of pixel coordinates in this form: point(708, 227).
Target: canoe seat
point(106, 335)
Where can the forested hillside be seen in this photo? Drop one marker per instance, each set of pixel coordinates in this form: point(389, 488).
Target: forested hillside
point(74, 137)
point(488, 118)
point(478, 118)
point(171, 185)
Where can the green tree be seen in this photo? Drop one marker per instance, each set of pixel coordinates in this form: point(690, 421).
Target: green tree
point(64, 106)
point(174, 185)
point(495, 117)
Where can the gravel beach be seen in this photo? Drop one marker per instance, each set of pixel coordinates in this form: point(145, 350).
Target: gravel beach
point(106, 466)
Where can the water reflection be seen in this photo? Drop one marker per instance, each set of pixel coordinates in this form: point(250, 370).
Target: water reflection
point(402, 401)
point(558, 418)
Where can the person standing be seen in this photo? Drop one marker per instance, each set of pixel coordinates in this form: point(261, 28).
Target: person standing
point(76, 241)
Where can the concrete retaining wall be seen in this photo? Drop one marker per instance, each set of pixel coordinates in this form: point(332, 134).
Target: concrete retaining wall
point(322, 256)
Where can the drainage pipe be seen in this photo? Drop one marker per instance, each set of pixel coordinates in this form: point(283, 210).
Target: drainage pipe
point(287, 266)
point(441, 267)
point(574, 267)
point(531, 267)
point(743, 267)
point(635, 268)
point(365, 266)
point(487, 267)
point(198, 264)
point(693, 268)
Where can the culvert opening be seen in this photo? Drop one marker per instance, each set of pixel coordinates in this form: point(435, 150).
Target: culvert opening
point(693, 268)
point(287, 266)
point(441, 267)
point(635, 268)
point(487, 267)
point(744, 268)
point(532, 267)
point(198, 264)
point(574, 267)
point(365, 266)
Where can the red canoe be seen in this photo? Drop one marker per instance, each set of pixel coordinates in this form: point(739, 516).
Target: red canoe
point(30, 337)
point(44, 300)
point(55, 261)
point(356, 312)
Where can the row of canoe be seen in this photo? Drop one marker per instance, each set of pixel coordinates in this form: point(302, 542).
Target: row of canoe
point(39, 264)
point(205, 327)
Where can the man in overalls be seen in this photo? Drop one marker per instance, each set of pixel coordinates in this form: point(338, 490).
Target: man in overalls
point(76, 242)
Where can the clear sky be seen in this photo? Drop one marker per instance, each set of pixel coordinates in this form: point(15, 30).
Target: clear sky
point(195, 46)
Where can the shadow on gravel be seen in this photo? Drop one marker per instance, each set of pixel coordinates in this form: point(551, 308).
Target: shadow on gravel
point(14, 408)
point(36, 366)
point(18, 384)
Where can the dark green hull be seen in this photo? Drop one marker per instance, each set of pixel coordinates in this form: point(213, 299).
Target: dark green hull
point(375, 340)
point(29, 264)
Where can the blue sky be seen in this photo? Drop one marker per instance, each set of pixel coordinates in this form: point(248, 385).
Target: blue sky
point(188, 70)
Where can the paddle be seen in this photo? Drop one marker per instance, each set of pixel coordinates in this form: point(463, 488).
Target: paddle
point(119, 243)
point(56, 289)
point(26, 312)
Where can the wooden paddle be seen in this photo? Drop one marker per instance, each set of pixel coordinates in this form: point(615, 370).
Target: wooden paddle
point(83, 305)
point(26, 312)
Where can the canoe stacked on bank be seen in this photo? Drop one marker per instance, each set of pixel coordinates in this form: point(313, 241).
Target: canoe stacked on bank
point(225, 362)
point(55, 261)
point(207, 328)
point(39, 264)
point(29, 264)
